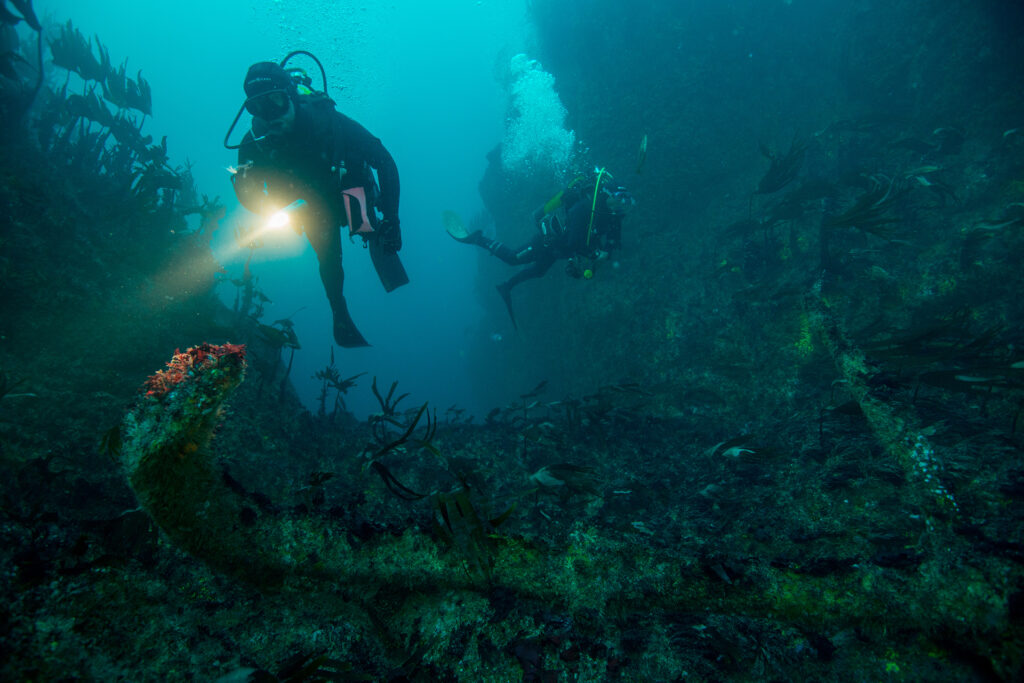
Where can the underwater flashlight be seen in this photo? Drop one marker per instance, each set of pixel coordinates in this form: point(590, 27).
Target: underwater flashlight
point(283, 217)
point(278, 221)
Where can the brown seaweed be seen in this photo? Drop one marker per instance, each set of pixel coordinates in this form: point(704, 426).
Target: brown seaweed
point(784, 168)
point(870, 212)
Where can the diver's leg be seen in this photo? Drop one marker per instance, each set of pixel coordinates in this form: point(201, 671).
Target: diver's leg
point(541, 263)
point(327, 245)
point(527, 253)
point(513, 257)
point(542, 259)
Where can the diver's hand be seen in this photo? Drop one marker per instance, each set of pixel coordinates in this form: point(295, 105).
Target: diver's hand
point(389, 234)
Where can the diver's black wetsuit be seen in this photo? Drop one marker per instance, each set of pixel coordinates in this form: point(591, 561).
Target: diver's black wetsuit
point(324, 153)
point(543, 250)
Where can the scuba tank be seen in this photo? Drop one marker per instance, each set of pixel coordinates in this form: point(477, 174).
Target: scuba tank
point(551, 217)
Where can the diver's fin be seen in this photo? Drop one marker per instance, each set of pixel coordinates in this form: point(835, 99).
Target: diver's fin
point(346, 334)
point(388, 266)
point(505, 291)
point(454, 225)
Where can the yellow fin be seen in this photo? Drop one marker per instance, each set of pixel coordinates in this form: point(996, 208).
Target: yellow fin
point(453, 224)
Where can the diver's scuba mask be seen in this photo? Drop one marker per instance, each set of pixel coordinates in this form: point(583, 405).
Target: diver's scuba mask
point(619, 201)
point(268, 106)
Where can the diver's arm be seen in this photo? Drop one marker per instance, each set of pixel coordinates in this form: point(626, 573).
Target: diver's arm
point(364, 145)
point(247, 182)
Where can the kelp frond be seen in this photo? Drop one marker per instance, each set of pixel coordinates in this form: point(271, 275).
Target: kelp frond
point(784, 169)
point(870, 211)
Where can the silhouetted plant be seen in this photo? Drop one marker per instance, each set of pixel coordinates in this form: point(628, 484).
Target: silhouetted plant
point(871, 210)
point(783, 169)
point(330, 379)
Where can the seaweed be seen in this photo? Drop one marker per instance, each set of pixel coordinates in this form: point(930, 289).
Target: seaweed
point(454, 415)
point(392, 483)
point(783, 169)
point(870, 212)
point(385, 444)
point(388, 404)
point(949, 340)
point(331, 378)
point(278, 336)
point(72, 51)
point(127, 93)
point(458, 523)
point(96, 140)
point(111, 442)
point(794, 204)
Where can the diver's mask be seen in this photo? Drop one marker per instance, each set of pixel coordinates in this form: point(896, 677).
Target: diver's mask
point(270, 105)
point(619, 201)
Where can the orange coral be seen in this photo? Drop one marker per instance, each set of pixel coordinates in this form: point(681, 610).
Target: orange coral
point(184, 364)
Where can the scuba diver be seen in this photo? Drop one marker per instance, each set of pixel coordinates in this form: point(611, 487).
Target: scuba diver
point(304, 156)
point(581, 223)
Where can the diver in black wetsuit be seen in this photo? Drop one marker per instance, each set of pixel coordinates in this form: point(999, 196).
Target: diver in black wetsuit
point(579, 224)
point(301, 148)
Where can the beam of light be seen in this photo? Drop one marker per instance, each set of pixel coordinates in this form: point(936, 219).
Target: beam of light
point(277, 221)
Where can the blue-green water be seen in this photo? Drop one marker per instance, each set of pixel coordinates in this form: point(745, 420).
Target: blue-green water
point(420, 76)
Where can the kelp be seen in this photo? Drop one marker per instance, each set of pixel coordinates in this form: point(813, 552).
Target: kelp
point(994, 231)
point(947, 355)
point(96, 139)
point(330, 378)
point(384, 443)
point(458, 523)
point(127, 93)
point(942, 341)
point(71, 50)
point(870, 212)
point(784, 168)
point(8, 65)
point(794, 204)
point(17, 95)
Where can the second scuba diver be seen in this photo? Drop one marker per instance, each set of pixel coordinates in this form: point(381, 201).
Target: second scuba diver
point(581, 223)
point(301, 152)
